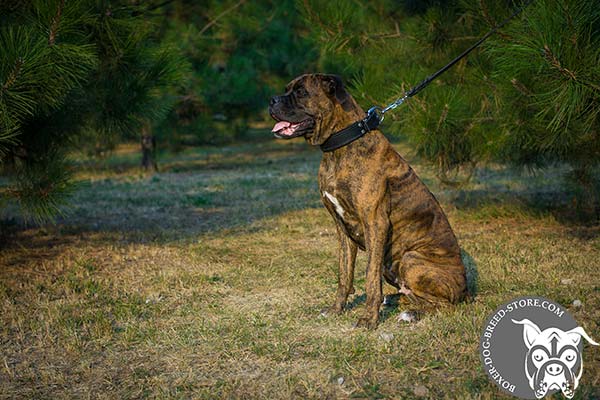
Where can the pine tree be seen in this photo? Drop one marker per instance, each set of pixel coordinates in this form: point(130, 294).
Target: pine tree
point(548, 77)
point(530, 97)
point(242, 52)
point(74, 73)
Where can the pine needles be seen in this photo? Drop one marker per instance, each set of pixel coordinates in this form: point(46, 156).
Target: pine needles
point(74, 73)
point(530, 98)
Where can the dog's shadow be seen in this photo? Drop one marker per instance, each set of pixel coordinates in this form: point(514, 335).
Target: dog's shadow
point(356, 301)
point(472, 273)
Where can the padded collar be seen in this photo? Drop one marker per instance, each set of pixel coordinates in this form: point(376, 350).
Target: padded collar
point(351, 133)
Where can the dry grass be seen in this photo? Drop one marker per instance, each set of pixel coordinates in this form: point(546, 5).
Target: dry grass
point(206, 281)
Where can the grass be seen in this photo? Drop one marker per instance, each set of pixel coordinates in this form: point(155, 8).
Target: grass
point(206, 281)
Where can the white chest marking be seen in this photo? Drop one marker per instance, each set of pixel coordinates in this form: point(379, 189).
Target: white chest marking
point(336, 203)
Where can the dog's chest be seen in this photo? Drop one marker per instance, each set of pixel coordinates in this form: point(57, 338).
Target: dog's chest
point(336, 187)
point(340, 206)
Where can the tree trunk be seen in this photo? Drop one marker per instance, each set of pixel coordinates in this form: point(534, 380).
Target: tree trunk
point(587, 200)
point(148, 149)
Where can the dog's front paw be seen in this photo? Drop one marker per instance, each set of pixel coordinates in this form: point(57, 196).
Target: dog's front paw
point(366, 322)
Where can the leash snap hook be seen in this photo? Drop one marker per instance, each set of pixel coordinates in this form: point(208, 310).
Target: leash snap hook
point(378, 111)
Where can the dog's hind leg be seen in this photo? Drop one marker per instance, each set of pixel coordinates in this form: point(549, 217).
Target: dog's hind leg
point(429, 287)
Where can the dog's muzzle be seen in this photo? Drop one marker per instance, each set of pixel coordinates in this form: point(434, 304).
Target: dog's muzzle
point(287, 127)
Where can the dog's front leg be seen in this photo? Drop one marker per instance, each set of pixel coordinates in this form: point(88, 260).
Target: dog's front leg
point(376, 226)
point(347, 259)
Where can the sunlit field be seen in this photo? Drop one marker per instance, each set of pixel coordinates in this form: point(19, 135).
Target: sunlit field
point(206, 280)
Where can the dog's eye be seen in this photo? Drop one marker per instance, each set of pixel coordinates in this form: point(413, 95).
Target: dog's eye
point(300, 91)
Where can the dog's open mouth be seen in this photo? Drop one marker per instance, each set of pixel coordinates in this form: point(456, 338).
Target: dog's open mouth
point(288, 130)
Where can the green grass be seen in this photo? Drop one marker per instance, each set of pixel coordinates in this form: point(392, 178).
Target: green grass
point(206, 281)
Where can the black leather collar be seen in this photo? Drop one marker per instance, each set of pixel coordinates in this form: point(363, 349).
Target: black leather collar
point(351, 133)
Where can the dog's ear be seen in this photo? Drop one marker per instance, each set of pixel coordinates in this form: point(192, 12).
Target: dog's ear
point(577, 333)
point(335, 89)
point(530, 331)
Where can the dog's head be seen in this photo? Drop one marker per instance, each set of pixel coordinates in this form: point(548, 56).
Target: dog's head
point(313, 106)
point(553, 360)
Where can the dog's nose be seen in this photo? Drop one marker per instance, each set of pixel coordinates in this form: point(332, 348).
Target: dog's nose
point(274, 100)
point(554, 369)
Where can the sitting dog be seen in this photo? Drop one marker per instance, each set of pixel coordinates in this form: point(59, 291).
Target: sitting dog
point(377, 201)
point(553, 360)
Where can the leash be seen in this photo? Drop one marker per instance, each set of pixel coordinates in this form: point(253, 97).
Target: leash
point(376, 114)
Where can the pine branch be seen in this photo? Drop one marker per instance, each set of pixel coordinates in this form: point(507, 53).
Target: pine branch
point(551, 58)
point(396, 34)
point(443, 116)
point(316, 18)
point(154, 7)
point(151, 8)
point(520, 87)
point(554, 62)
point(214, 20)
point(486, 15)
point(55, 23)
point(11, 79)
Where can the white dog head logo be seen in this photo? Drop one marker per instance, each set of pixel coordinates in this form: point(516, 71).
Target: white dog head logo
point(553, 361)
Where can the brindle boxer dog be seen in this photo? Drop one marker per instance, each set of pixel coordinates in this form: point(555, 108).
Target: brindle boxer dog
point(377, 201)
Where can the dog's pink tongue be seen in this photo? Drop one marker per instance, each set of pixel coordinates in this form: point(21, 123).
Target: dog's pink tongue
point(280, 125)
